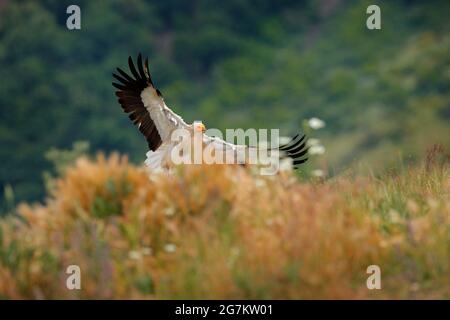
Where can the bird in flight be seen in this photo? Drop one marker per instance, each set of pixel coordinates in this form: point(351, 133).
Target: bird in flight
point(146, 108)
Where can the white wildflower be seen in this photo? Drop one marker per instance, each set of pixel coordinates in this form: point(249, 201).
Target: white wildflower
point(317, 149)
point(259, 183)
point(316, 123)
point(395, 216)
point(170, 211)
point(170, 247)
point(146, 251)
point(233, 256)
point(135, 255)
point(317, 173)
point(286, 164)
point(313, 142)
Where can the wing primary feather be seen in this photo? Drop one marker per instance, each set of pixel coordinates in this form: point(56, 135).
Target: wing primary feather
point(119, 78)
point(299, 155)
point(141, 67)
point(292, 143)
point(147, 71)
point(133, 68)
point(299, 161)
point(296, 148)
point(125, 75)
point(119, 86)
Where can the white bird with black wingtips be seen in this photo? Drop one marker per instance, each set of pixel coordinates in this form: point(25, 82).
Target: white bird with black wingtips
point(146, 108)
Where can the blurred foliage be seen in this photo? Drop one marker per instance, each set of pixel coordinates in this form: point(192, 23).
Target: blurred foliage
point(63, 158)
point(240, 63)
point(221, 232)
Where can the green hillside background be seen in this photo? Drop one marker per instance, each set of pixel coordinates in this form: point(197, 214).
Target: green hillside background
point(383, 94)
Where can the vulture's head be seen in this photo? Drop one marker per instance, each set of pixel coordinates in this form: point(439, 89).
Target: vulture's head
point(199, 127)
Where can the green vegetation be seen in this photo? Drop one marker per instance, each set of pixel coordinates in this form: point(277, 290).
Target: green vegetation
point(383, 94)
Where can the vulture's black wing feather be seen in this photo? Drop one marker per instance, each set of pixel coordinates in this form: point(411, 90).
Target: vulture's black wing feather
point(129, 92)
point(296, 150)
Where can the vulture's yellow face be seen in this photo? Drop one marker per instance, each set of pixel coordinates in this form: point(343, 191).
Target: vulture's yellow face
point(199, 127)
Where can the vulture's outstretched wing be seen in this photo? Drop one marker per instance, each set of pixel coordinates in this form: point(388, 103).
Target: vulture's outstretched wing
point(144, 104)
point(236, 154)
point(296, 150)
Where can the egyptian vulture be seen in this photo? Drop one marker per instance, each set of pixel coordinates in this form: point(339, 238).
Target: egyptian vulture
point(146, 108)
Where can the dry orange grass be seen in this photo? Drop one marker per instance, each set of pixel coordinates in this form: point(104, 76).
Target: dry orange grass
point(222, 232)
